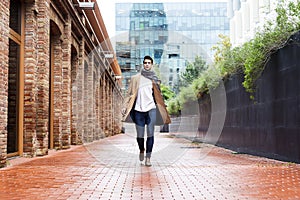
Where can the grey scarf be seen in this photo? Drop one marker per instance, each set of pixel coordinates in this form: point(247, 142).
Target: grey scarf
point(149, 74)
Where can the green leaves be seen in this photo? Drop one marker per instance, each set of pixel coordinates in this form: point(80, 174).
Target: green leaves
point(174, 106)
point(249, 59)
point(166, 92)
point(268, 40)
point(193, 71)
point(252, 56)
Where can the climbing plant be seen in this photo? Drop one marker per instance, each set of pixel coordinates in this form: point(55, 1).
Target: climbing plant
point(251, 57)
point(272, 37)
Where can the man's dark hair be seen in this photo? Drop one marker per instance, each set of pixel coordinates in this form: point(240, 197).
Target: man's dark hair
point(148, 58)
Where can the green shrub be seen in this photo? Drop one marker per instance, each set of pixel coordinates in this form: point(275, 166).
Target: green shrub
point(249, 59)
point(173, 107)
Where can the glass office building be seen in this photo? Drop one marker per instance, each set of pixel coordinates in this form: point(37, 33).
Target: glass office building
point(172, 33)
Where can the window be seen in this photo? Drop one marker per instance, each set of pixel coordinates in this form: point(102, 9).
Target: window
point(15, 16)
point(15, 78)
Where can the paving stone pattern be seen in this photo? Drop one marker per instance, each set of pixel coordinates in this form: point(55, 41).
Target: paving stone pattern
point(110, 169)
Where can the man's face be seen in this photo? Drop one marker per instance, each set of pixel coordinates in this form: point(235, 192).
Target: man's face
point(147, 64)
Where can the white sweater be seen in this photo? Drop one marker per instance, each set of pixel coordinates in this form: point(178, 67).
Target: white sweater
point(144, 99)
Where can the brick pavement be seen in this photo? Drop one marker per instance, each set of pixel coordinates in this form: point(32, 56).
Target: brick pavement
point(110, 169)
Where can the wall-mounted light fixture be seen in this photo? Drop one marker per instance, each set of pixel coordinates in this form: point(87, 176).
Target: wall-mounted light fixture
point(86, 5)
point(108, 55)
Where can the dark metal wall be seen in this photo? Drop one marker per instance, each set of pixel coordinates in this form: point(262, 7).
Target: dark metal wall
point(270, 125)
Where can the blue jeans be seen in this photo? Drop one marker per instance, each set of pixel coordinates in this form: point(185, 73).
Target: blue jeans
point(141, 120)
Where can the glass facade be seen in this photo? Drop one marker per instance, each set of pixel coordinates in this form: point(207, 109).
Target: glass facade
point(172, 33)
point(148, 31)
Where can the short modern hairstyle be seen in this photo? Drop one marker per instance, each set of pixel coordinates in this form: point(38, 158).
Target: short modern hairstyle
point(148, 58)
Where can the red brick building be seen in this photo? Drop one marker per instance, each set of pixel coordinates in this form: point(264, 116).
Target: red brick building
point(57, 86)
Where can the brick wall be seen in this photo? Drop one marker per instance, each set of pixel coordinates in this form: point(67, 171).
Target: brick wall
point(4, 16)
point(30, 81)
point(69, 96)
point(42, 89)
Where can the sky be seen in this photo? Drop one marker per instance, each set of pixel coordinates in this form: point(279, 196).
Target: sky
point(107, 9)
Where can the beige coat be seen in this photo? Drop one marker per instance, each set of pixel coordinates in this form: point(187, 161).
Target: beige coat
point(129, 101)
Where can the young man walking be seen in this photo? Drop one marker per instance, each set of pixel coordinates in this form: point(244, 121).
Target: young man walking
point(144, 105)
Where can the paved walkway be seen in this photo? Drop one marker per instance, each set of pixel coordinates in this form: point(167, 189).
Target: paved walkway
point(110, 169)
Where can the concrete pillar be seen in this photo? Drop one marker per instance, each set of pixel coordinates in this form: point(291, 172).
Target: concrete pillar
point(245, 20)
point(238, 26)
point(230, 8)
point(236, 5)
point(232, 32)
